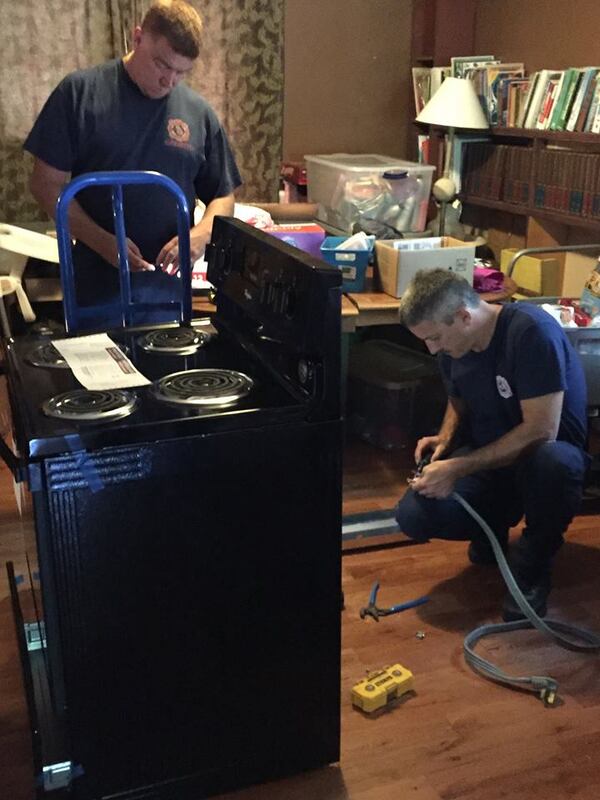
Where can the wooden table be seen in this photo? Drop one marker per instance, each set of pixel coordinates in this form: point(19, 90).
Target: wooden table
point(361, 309)
point(201, 305)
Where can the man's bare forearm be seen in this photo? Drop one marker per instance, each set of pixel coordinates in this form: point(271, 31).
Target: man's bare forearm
point(46, 188)
point(220, 206)
point(540, 423)
point(450, 424)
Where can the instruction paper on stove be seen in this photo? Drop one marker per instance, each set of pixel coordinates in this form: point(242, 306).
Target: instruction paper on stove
point(98, 363)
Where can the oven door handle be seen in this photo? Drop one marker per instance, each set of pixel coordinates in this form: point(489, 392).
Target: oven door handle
point(12, 461)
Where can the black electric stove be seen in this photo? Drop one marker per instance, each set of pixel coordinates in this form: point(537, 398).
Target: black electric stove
point(186, 547)
point(215, 400)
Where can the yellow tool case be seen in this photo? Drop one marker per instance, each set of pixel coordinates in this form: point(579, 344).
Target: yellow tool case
point(381, 686)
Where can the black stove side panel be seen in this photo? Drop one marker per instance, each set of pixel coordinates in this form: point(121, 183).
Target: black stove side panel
point(196, 593)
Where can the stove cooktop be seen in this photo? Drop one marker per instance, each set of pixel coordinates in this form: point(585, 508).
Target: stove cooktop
point(201, 381)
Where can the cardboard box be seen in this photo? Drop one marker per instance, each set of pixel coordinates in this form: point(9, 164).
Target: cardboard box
point(578, 268)
point(399, 260)
point(307, 237)
point(562, 275)
point(534, 275)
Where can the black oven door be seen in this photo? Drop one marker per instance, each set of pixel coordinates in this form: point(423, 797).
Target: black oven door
point(192, 596)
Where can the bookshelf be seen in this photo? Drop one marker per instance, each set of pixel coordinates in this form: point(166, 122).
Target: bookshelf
point(440, 29)
point(543, 146)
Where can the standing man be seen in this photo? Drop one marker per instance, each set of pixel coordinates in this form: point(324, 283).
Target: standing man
point(513, 436)
point(135, 114)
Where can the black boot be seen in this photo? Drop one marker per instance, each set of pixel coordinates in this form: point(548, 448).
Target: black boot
point(480, 550)
point(533, 576)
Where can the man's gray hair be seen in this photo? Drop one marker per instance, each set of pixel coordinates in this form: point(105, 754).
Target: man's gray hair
point(435, 295)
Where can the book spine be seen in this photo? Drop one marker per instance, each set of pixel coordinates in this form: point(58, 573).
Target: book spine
point(536, 100)
point(569, 77)
point(558, 94)
point(594, 104)
point(539, 194)
point(566, 109)
point(596, 192)
point(549, 178)
point(586, 102)
point(525, 109)
point(588, 184)
point(545, 106)
point(596, 123)
point(507, 183)
point(578, 100)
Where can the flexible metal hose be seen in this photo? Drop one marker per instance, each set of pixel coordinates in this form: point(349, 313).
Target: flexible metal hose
point(561, 633)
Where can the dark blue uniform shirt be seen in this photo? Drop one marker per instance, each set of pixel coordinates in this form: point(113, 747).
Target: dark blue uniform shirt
point(98, 119)
point(529, 356)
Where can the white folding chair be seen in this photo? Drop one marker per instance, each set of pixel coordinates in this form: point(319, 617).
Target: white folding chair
point(16, 246)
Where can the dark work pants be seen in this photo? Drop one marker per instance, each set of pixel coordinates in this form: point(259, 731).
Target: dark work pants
point(545, 486)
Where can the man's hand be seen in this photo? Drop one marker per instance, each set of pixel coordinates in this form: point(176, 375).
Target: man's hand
point(438, 478)
point(136, 262)
point(433, 444)
point(168, 258)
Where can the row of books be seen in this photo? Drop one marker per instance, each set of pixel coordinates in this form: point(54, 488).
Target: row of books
point(557, 100)
point(561, 100)
point(564, 181)
point(568, 182)
point(486, 73)
point(482, 170)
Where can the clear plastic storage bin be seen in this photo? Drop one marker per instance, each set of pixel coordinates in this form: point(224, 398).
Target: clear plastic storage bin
point(363, 189)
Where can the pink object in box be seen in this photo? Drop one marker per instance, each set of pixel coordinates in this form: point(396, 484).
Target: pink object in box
point(305, 236)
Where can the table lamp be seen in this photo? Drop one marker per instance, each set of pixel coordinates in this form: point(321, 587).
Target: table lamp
point(454, 105)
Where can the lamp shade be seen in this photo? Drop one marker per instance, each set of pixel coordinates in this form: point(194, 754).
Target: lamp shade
point(454, 105)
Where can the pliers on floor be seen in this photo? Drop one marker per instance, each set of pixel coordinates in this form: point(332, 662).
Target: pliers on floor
point(373, 610)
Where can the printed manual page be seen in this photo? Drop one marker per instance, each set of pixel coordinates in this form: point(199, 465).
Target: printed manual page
point(98, 363)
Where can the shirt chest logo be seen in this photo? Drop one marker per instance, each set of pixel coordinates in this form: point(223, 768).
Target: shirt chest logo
point(503, 387)
point(179, 133)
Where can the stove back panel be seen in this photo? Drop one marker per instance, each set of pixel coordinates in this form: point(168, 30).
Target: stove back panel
point(284, 304)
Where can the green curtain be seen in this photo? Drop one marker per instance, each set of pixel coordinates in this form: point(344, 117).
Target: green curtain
point(240, 72)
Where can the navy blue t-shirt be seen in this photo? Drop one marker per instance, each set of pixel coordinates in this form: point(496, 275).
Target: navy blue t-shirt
point(98, 119)
point(529, 356)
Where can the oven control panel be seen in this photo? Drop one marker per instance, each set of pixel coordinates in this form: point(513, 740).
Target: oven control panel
point(292, 296)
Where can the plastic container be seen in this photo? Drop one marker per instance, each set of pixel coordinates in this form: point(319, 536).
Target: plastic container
point(586, 341)
point(353, 263)
point(395, 394)
point(350, 188)
point(402, 184)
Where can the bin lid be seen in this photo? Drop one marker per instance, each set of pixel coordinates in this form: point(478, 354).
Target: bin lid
point(389, 365)
point(362, 161)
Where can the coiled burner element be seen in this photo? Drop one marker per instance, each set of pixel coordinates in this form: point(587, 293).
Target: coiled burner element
point(46, 355)
point(177, 341)
point(91, 405)
point(203, 387)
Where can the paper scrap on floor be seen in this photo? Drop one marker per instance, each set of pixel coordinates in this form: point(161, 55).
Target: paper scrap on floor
point(98, 362)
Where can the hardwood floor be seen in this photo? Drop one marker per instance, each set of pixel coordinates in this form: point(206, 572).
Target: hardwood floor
point(458, 735)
